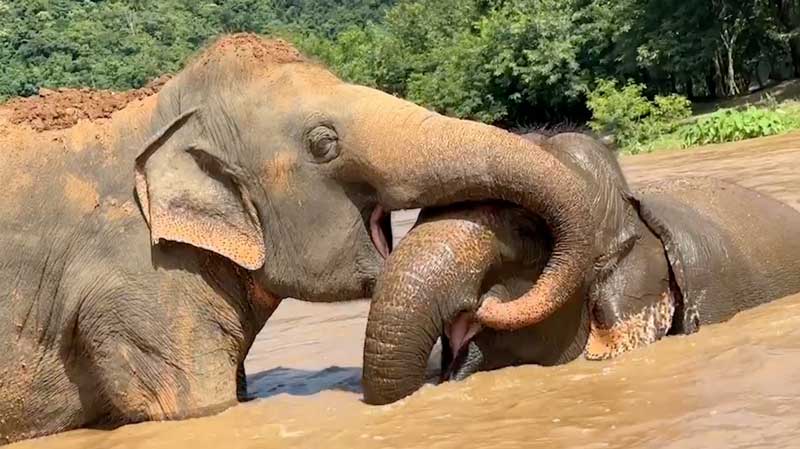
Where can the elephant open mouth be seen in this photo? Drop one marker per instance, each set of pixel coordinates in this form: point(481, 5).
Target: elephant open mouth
point(459, 332)
point(380, 229)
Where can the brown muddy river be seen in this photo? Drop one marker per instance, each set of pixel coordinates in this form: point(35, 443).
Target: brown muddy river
point(733, 385)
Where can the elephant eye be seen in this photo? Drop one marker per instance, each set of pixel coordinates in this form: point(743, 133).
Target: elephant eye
point(323, 144)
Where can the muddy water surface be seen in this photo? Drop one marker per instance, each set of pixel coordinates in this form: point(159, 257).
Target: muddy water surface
point(733, 385)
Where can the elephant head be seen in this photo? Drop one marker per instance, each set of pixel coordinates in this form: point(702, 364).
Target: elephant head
point(454, 259)
point(268, 159)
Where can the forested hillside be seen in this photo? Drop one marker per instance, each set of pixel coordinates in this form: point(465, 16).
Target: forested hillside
point(500, 61)
point(123, 44)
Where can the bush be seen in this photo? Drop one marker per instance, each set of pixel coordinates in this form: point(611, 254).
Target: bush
point(614, 110)
point(729, 125)
point(671, 109)
point(634, 120)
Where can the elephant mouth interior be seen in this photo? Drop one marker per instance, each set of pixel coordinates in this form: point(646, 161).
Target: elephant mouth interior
point(380, 229)
point(459, 332)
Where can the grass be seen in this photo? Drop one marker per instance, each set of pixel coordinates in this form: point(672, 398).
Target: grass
point(788, 111)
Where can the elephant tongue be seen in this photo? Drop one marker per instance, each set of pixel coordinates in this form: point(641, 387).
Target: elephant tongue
point(378, 236)
point(460, 331)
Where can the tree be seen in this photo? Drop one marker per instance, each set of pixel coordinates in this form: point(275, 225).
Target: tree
point(499, 61)
point(787, 14)
point(121, 44)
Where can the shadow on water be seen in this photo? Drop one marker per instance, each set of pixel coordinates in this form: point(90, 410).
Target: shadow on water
point(305, 382)
point(299, 382)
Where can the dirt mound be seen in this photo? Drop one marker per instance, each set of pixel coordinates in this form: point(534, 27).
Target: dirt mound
point(62, 108)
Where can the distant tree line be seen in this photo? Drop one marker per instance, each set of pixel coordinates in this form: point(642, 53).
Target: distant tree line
point(123, 44)
point(499, 61)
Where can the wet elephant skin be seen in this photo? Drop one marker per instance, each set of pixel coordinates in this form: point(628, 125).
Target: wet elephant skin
point(670, 256)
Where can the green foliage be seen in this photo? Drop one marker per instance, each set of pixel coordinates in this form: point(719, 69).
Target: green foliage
point(327, 18)
point(617, 110)
point(499, 61)
point(507, 61)
point(430, 54)
point(634, 120)
point(104, 44)
point(730, 125)
point(518, 61)
point(122, 44)
point(481, 59)
point(671, 108)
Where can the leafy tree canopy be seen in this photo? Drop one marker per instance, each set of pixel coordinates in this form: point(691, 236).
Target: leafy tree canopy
point(499, 61)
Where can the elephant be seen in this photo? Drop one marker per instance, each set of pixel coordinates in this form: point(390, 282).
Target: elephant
point(143, 252)
point(668, 257)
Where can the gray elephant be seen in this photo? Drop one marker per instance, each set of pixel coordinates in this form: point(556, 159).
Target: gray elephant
point(667, 259)
point(142, 253)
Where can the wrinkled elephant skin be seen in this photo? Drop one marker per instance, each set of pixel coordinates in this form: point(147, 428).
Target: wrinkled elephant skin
point(668, 258)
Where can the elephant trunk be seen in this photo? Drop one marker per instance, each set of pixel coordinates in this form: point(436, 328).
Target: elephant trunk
point(435, 160)
point(436, 272)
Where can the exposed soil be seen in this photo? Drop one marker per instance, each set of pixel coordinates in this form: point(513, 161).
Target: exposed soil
point(53, 109)
point(64, 107)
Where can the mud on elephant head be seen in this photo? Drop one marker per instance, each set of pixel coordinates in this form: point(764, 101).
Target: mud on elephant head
point(268, 159)
point(665, 259)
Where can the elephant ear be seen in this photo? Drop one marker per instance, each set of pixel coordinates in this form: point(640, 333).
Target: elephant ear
point(693, 248)
point(189, 195)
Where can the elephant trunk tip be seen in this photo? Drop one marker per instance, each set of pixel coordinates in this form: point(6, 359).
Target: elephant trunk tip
point(391, 372)
point(529, 309)
point(371, 397)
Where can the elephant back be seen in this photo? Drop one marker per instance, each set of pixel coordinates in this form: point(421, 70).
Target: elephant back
point(729, 248)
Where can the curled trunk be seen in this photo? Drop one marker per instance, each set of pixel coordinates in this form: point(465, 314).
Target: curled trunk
point(437, 271)
point(456, 161)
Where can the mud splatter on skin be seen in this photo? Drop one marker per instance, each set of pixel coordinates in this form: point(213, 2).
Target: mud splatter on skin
point(278, 172)
point(241, 242)
point(35, 151)
point(75, 150)
point(81, 193)
point(16, 184)
point(636, 331)
point(114, 211)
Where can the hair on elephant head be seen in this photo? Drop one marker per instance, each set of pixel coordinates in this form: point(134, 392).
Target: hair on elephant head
point(264, 157)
